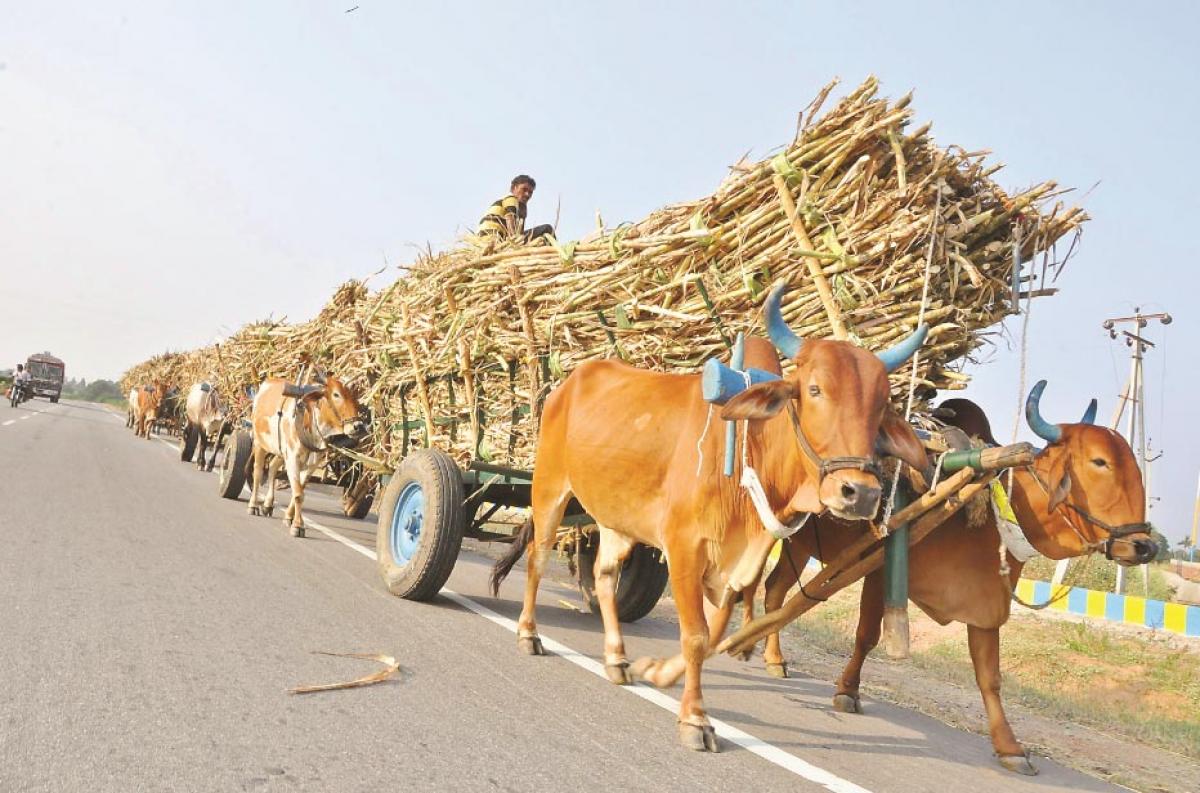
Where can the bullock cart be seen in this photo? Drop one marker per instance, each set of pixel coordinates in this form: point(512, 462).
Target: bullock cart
point(873, 226)
point(429, 504)
point(358, 482)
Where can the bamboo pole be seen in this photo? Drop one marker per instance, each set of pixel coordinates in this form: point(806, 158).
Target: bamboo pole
point(814, 269)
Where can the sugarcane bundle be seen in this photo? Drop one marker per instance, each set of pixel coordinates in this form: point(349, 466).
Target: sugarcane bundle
point(461, 351)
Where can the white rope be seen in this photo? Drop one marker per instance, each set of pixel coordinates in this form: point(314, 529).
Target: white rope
point(937, 470)
point(700, 443)
point(1024, 358)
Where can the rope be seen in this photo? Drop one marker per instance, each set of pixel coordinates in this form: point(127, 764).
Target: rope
point(700, 443)
point(1065, 588)
point(1024, 358)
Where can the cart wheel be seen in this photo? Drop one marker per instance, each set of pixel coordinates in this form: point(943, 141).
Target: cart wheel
point(54, 399)
point(421, 520)
point(233, 464)
point(641, 582)
point(187, 443)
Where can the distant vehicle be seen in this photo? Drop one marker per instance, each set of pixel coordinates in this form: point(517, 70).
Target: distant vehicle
point(48, 373)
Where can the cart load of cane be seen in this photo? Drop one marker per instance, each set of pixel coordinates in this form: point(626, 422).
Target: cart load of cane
point(460, 351)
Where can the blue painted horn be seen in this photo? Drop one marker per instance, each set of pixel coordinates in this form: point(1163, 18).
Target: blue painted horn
point(1033, 414)
point(719, 383)
point(787, 342)
point(1089, 415)
point(897, 355)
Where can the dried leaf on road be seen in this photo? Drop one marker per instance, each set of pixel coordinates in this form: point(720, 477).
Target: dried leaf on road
point(393, 667)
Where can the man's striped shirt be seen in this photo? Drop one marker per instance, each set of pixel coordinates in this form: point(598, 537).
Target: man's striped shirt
point(505, 218)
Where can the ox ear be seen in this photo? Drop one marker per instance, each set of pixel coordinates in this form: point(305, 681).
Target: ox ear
point(1060, 480)
point(760, 401)
point(897, 439)
point(314, 396)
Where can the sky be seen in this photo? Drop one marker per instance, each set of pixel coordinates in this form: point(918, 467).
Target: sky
point(170, 171)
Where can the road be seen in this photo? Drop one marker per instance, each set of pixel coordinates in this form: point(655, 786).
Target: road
point(151, 631)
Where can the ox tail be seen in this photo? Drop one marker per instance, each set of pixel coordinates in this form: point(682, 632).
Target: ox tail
point(504, 566)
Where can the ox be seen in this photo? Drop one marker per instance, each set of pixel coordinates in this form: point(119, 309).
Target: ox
point(169, 410)
point(624, 442)
point(295, 426)
point(144, 403)
point(1082, 494)
point(205, 414)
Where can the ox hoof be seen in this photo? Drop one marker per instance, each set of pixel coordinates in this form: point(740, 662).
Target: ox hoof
point(846, 703)
point(698, 737)
point(1018, 763)
point(530, 645)
point(618, 673)
point(778, 670)
point(744, 655)
point(648, 669)
point(266, 512)
point(253, 510)
point(297, 531)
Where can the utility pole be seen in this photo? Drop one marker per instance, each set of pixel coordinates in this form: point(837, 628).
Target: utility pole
point(1134, 395)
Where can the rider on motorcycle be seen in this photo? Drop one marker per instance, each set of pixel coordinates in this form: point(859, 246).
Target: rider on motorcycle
point(22, 380)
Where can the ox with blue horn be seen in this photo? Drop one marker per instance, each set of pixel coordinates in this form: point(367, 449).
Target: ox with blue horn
point(633, 447)
point(1110, 477)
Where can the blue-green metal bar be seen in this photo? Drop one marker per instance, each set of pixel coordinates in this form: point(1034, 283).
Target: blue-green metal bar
point(895, 559)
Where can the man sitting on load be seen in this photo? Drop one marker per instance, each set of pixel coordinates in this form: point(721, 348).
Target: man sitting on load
point(505, 218)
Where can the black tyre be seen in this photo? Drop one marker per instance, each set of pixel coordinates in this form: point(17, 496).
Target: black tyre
point(421, 522)
point(640, 584)
point(187, 442)
point(235, 461)
point(54, 399)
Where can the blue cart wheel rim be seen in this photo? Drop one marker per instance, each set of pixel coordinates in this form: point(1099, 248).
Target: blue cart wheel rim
point(408, 520)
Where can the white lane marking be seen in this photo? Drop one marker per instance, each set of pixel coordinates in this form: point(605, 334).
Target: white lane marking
point(767, 751)
point(27, 415)
point(10, 421)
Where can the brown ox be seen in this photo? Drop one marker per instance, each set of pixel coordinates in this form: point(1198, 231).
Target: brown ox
point(1082, 494)
point(144, 403)
point(295, 426)
point(205, 414)
point(625, 443)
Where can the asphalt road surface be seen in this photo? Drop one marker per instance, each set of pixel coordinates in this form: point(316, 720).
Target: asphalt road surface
point(149, 631)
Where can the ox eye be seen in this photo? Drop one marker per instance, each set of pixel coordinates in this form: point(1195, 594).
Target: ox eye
point(1099, 462)
point(814, 390)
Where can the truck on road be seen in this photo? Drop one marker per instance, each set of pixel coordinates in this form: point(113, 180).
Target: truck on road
point(48, 373)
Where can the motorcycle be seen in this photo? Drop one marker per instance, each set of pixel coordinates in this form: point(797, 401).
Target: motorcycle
point(20, 393)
